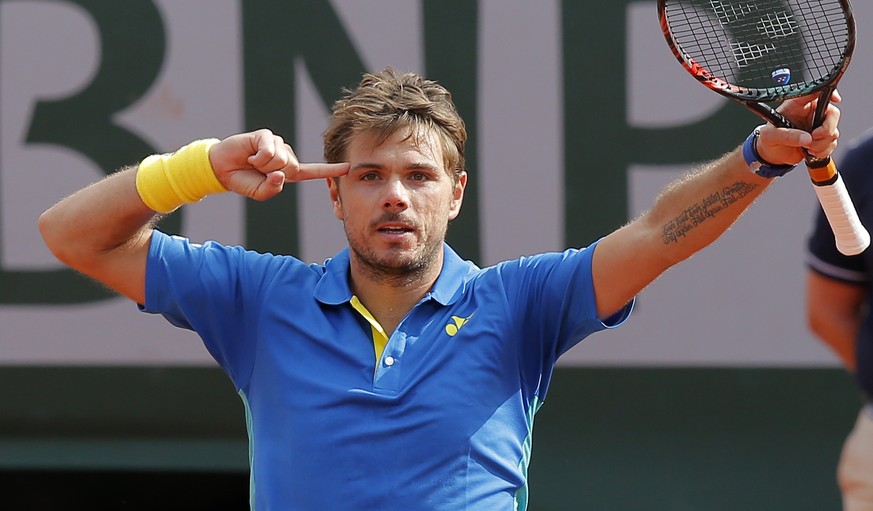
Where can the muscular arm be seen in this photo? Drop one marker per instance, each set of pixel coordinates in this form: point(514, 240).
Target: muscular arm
point(696, 209)
point(688, 215)
point(833, 311)
point(103, 231)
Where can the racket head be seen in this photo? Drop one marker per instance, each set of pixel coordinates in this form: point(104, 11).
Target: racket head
point(761, 50)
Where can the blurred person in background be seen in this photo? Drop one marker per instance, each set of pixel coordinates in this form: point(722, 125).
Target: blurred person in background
point(839, 293)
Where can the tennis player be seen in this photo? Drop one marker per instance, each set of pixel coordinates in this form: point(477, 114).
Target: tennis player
point(395, 375)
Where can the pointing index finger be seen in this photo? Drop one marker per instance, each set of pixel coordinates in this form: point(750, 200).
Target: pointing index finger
point(320, 170)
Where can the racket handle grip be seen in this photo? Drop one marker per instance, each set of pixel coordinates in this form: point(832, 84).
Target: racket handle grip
point(851, 236)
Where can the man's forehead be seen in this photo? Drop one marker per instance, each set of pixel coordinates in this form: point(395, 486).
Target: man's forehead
point(422, 142)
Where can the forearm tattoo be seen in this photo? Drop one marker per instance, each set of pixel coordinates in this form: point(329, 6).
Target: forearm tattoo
point(708, 208)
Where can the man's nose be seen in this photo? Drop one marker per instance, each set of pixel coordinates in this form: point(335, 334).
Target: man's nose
point(396, 195)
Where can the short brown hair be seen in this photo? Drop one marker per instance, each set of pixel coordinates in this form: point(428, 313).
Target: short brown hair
point(386, 102)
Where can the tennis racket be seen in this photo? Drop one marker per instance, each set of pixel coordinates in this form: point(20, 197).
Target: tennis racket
point(765, 51)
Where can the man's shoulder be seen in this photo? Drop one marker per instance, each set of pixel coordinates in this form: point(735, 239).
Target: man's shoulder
point(211, 254)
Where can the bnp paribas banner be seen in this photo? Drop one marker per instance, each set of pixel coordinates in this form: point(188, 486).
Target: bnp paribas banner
point(577, 111)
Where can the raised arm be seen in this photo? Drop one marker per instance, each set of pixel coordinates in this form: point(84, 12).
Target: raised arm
point(104, 230)
point(697, 208)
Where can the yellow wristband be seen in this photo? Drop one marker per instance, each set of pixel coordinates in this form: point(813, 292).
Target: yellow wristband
point(166, 181)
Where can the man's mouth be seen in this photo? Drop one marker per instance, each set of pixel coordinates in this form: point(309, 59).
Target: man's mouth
point(395, 229)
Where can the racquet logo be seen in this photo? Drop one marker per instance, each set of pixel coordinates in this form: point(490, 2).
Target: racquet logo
point(747, 24)
point(772, 26)
point(746, 53)
point(728, 14)
point(777, 26)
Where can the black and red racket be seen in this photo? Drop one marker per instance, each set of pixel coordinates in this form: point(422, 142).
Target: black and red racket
point(765, 51)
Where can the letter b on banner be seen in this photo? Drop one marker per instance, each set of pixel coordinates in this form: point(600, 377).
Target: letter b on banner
point(131, 37)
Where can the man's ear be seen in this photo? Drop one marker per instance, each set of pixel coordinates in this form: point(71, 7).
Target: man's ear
point(458, 195)
point(335, 201)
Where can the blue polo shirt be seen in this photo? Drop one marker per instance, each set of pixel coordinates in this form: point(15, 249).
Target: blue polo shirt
point(442, 421)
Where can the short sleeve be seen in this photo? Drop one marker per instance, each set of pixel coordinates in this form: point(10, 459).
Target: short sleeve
point(215, 290)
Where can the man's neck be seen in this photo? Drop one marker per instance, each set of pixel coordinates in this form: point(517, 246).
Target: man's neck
point(389, 299)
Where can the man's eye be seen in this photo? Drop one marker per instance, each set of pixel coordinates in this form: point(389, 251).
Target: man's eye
point(369, 176)
point(419, 176)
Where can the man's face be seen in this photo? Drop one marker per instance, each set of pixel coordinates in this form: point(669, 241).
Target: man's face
point(396, 202)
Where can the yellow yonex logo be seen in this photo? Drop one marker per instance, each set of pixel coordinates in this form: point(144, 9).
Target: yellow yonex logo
point(456, 324)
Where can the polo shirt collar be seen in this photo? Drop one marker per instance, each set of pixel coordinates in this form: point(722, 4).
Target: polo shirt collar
point(333, 286)
point(449, 286)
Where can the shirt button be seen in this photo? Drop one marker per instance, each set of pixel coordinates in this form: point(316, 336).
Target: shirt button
point(389, 361)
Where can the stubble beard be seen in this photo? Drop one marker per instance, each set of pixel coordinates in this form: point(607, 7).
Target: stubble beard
point(398, 269)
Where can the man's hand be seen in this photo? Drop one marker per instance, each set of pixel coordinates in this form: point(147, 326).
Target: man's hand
point(785, 146)
point(259, 163)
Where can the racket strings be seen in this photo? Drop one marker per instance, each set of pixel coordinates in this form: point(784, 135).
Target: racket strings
point(775, 47)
